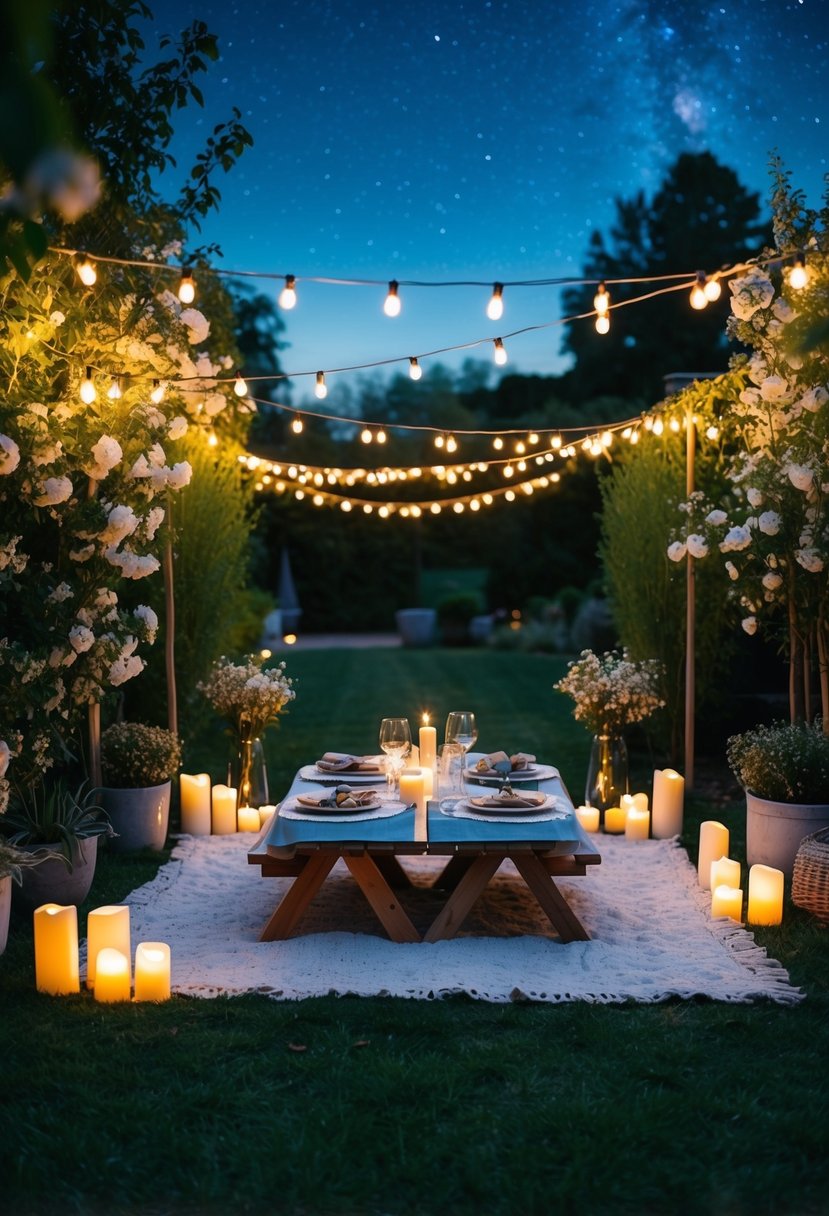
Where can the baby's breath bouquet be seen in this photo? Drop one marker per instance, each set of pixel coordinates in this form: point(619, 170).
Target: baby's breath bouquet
point(248, 696)
point(612, 691)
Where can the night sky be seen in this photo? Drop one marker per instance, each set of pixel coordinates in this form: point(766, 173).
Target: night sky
point(439, 139)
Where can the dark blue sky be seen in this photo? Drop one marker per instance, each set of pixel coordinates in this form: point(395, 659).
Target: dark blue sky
point(482, 139)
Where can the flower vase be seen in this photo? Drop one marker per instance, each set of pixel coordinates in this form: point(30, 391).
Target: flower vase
point(607, 772)
point(248, 773)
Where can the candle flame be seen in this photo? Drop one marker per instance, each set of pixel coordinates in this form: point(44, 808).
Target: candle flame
point(425, 719)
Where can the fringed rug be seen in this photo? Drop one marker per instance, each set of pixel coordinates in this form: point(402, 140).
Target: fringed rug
point(652, 934)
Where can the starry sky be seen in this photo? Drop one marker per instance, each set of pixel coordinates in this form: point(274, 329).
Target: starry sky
point(479, 139)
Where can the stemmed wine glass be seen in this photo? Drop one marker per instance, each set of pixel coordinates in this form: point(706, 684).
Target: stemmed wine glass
point(396, 742)
point(461, 728)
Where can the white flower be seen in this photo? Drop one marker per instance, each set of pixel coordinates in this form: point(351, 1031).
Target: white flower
point(125, 667)
point(149, 619)
point(769, 523)
point(213, 404)
point(9, 454)
point(5, 756)
point(83, 554)
point(81, 638)
point(67, 181)
point(121, 522)
point(754, 496)
point(47, 453)
point(53, 491)
point(800, 475)
point(62, 592)
point(198, 327)
point(57, 317)
point(132, 565)
point(750, 396)
point(153, 522)
point(38, 409)
point(733, 572)
point(715, 518)
point(749, 293)
point(178, 427)
point(774, 388)
point(179, 475)
point(783, 310)
point(814, 398)
point(676, 551)
point(809, 559)
point(736, 538)
point(697, 545)
point(107, 453)
point(772, 580)
point(749, 623)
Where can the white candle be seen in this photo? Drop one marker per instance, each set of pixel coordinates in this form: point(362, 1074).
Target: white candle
point(765, 895)
point(107, 926)
point(626, 802)
point(224, 810)
point(266, 814)
point(412, 790)
point(194, 792)
point(56, 949)
point(727, 901)
point(668, 803)
point(588, 817)
point(428, 744)
point(413, 758)
point(725, 873)
point(640, 801)
point(637, 824)
point(713, 843)
point(152, 971)
point(247, 819)
point(112, 976)
point(428, 782)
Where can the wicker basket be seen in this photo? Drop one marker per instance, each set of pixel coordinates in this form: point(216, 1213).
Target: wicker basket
point(810, 880)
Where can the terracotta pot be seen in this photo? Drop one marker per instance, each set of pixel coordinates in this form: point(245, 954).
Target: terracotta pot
point(52, 882)
point(774, 830)
point(139, 816)
point(5, 909)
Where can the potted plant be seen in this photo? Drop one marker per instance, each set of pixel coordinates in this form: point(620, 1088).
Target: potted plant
point(454, 615)
point(784, 770)
point(138, 763)
point(12, 864)
point(60, 827)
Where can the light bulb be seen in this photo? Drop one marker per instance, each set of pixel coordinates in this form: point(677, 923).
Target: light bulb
point(699, 299)
point(601, 300)
point(500, 352)
point(297, 425)
point(532, 437)
point(380, 437)
point(658, 426)
point(555, 442)
point(712, 289)
point(602, 323)
point(366, 435)
point(88, 390)
point(212, 439)
point(287, 296)
point(675, 425)
point(799, 276)
point(391, 307)
point(495, 307)
point(240, 388)
point(415, 370)
point(187, 287)
point(86, 270)
point(712, 432)
point(320, 388)
point(158, 391)
point(498, 443)
point(451, 444)
point(115, 391)
point(440, 440)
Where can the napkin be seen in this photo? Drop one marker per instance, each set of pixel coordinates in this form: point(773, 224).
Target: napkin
point(343, 796)
point(536, 801)
point(518, 762)
point(341, 762)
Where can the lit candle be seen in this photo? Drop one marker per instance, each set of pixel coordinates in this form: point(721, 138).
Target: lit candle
point(640, 801)
point(615, 818)
point(765, 895)
point(413, 758)
point(108, 926)
point(727, 901)
point(56, 949)
point(668, 803)
point(725, 873)
point(194, 792)
point(428, 782)
point(637, 824)
point(266, 814)
point(713, 843)
point(412, 790)
point(224, 810)
point(247, 818)
point(588, 817)
point(112, 976)
point(152, 971)
point(428, 744)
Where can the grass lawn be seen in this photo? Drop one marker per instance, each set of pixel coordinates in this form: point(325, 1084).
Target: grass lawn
point(382, 1106)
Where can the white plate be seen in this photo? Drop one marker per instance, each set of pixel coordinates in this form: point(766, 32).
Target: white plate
point(310, 772)
point(474, 804)
point(310, 802)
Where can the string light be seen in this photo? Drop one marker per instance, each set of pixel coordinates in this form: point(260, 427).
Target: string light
point(366, 434)
point(451, 443)
point(297, 425)
point(799, 275)
point(499, 354)
point(391, 307)
point(601, 300)
point(713, 289)
point(320, 387)
point(415, 370)
point(498, 443)
point(87, 273)
point(603, 323)
point(212, 439)
point(115, 391)
point(380, 437)
point(240, 388)
point(699, 299)
point(287, 296)
point(495, 307)
point(187, 287)
point(88, 392)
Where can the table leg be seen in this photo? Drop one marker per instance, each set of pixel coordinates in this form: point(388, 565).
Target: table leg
point(381, 897)
point(453, 872)
point(392, 871)
point(561, 915)
point(293, 904)
point(458, 905)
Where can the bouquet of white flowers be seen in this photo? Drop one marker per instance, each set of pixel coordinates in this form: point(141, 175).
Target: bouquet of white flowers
point(612, 691)
point(248, 696)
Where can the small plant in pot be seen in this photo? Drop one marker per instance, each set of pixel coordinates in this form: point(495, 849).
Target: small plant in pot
point(784, 770)
point(13, 862)
point(138, 763)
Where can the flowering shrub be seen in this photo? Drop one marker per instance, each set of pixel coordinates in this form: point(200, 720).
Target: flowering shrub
point(134, 755)
point(612, 691)
point(248, 696)
point(784, 762)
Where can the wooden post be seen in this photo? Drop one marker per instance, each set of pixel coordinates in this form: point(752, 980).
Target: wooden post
point(170, 630)
point(690, 610)
point(94, 725)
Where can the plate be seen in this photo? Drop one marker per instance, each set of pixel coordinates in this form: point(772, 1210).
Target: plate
point(310, 772)
point(539, 802)
point(311, 802)
point(530, 773)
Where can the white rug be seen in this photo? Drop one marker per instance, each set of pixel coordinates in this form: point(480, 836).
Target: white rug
point(652, 934)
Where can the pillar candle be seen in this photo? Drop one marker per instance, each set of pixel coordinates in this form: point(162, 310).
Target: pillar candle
point(112, 976)
point(428, 744)
point(637, 824)
point(765, 895)
point(247, 819)
point(413, 758)
point(428, 782)
point(615, 818)
point(152, 971)
point(56, 949)
point(266, 814)
point(412, 790)
point(725, 873)
point(713, 843)
point(194, 792)
point(668, 803)
point(727, 901)
point(588, 817)
point(640, 801)
point(224, 810)
point(107, 926)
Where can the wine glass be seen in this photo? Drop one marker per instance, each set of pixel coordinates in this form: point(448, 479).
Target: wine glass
point(396, 742)
point(461, 728)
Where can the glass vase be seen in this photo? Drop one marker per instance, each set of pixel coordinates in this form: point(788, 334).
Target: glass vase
point(607, 771)
point(248, 773)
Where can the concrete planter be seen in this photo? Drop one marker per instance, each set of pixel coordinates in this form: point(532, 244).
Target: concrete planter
point(416, 626)
point(774, 830)
point(139, 816)
point(52, 882)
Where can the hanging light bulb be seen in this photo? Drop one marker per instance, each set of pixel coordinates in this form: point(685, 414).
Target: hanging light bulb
point(115, 391)
point(699, 299)
point(495, 307)
point(287, 296)
point(391, 307)
point(380, 437)
point(86, 269)
point(601, 300)
point(440, 440)
point(366, 435)
point(500, 352)
point(799, 275)
point(212, 439)
point(187, 286)
point(158, 390)
point(321, 388)
point(532, 437)
point(555, 442)
point(297, 426)
point(498, 443)
point(675, 425)
point(88, 390)
point(415, 370)
point(658, 426)
point(712, 289)
point(603, 323)
point(240, 388)
point(451, 443)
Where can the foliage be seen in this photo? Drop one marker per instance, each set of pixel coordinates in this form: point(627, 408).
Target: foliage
point(134, 755)
point(14, 861)
point(612, 691)
point(53, 813)
point(459, 608)
point(783, 762)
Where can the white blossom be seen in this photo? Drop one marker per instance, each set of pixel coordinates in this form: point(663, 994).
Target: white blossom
point(125, 667)
point(697, 545)
point(772, 580)
point(749, 623)
point(107, 452)
point(800, 475)
point(178, 427)
point(783, 310)
point(769, 523)
point(153, 522)
point(715, 518)
point(676, 551)
point(60, 593)
point(754, 496)
point(179, 475)
point(9, 454)
point(809, 559)
point(198, 327)
point(733, 572)
point(774, 388)
point(814, 398)
point(57, 317)
point(5, 757)
point(121, 522)
point(149, 619)
point(749, 293)
point(81, 638)
point(53, 491)
point(132, 565)
point(738, 537)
